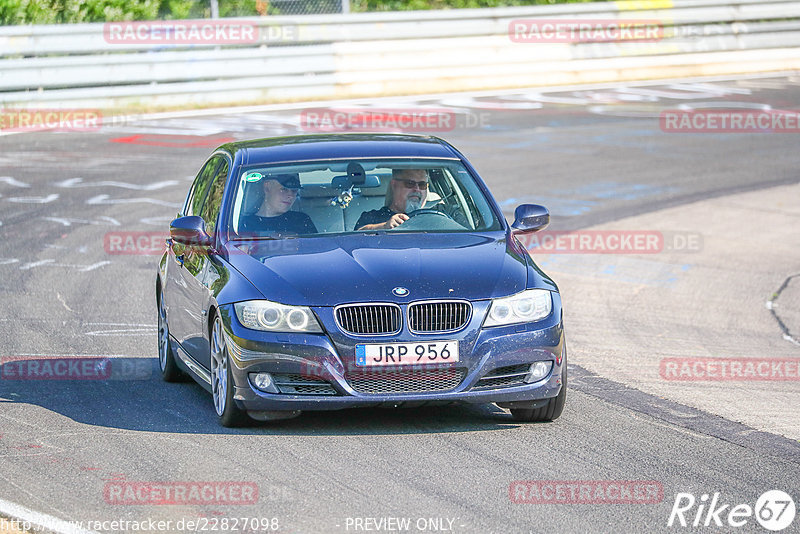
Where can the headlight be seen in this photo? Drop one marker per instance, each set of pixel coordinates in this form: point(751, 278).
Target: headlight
point(274, 317)
point(528, 306)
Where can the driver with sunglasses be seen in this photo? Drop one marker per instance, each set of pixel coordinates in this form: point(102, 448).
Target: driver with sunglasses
point(407, 192)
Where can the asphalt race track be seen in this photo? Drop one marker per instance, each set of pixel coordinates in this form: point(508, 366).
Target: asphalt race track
point(595, 156)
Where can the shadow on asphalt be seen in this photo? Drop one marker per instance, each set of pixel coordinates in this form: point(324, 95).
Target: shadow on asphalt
point(139, 400)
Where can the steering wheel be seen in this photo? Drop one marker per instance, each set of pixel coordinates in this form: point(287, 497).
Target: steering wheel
point(428, 211)
point(438, 221)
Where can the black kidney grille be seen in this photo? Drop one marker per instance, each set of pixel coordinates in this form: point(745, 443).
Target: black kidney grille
point(369, 319)
point(438, 316)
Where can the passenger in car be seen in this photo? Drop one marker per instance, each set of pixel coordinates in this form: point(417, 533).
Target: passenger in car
point(407, 192)
point(280, 193)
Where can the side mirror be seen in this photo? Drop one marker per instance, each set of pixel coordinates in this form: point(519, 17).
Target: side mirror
point(530, 218)
point(190, 230)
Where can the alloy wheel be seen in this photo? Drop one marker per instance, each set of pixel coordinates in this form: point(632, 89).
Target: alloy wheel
point(219, 367)
point(163, 333)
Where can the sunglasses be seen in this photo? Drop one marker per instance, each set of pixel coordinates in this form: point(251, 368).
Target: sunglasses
point(409, 184)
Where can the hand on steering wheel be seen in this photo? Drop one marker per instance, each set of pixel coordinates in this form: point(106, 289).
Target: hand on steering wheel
point(396, 220)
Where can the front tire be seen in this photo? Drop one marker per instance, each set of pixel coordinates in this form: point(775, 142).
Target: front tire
point(550, 411)
point(229, 414)
point(166, 358)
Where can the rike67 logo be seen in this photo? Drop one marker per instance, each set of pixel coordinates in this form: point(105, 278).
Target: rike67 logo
point(774, 510)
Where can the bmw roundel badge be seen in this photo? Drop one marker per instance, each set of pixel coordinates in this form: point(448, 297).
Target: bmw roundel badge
point(400, 291)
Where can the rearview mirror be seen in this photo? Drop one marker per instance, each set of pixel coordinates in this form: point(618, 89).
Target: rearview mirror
point(355, 177)
point(190, 230)
point(530, 218)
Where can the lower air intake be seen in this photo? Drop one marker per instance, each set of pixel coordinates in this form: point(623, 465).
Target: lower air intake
point(406, 381)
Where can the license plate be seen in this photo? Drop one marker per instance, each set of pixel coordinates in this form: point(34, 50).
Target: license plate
point(406, 353)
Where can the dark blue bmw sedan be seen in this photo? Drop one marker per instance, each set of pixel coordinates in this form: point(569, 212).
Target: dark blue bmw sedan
point(321, 272)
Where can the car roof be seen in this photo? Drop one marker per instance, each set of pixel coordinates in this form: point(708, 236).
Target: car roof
point(298, 148)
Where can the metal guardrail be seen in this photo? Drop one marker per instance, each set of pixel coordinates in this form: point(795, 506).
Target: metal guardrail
point(370, 54)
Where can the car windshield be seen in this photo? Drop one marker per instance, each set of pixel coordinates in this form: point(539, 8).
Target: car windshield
point(334, 197)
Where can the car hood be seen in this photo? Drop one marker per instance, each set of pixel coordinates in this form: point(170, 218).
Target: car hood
point(327, 271)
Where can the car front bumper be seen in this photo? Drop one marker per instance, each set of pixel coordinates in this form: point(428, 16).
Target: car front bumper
point(328, 360)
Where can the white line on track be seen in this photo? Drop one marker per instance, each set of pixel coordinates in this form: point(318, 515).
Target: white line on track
point(31, 265)
point(790, 339)
point(121, 324)
point(78, 182)
point(93, 266)
point(43, 521)
point(11, 181)
point(149, 331)
point(104, 199)
point(156, 221)
point(470, 102)
point(67, 221)
point(34, 200)
point(51, 263)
